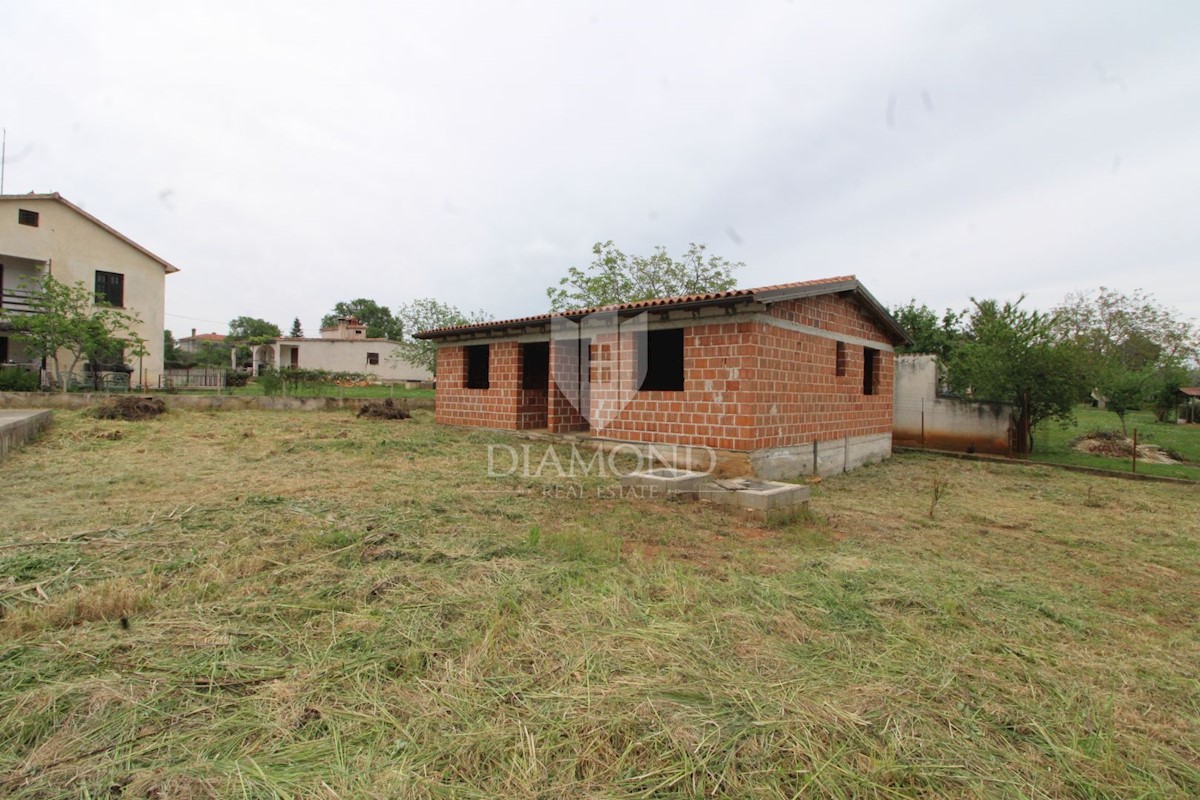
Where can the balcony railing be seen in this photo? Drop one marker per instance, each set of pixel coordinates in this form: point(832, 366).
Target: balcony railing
point(17, 301)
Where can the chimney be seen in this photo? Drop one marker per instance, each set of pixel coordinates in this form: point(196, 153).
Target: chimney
point(193, 333)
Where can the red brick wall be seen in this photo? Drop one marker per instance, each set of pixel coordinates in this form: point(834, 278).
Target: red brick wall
point(747, 385)
point(714, 407)
point(494, 407)
point(532, 409)
point(562, 415)
point(800, 397)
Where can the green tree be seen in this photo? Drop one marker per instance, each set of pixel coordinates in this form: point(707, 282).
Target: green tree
point(1126, 392)
point(1163, 389)
point(211, 354)
point(1011, 355)
point(380, 322)
point(614, 277)
point(1132, 348)
point(427, 314)
point(247, 332)
point(251, 330)
point(297, 331)
point(1131, 330)
point(929, 332)
point(172, 355)
point(68, 324)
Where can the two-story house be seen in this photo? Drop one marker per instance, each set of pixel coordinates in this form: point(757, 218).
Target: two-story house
point(42, 233)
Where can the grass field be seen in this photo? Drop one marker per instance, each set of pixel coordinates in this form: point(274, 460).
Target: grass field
point(1053, 442)
point(262, 605)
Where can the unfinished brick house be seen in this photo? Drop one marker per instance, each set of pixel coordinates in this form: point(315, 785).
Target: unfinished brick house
point(797, 378)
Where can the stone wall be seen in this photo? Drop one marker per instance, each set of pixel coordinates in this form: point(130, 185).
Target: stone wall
point(210, 402)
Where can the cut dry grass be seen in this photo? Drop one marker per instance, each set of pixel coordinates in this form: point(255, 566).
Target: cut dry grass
point(322, 606)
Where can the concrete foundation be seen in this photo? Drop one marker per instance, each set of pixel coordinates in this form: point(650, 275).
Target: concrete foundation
point(757, 500)
point(821, 458)
point(18, 427)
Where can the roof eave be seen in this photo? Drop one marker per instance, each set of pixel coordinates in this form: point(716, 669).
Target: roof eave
point(853, 286)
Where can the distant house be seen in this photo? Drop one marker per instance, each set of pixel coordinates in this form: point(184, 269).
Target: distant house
point(1189, 405)
point(344, 347)
point(795, 377)
point(46, 233)
point(195, 342)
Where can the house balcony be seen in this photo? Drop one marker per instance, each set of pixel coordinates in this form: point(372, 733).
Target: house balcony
point(19, 278)
point(17, 301)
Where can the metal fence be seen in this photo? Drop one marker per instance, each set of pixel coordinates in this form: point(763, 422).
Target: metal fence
point(200, 378)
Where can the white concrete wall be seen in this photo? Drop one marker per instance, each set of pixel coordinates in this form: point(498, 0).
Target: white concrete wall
point(832, 457)
point(922, 419)
point(347, 355)
point(74, 247)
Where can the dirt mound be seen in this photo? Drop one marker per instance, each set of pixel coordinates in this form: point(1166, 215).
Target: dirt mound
point(1113, 444)
point(383, 409)
point(130, 408)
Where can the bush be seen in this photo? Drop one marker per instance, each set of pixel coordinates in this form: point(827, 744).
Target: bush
point(16, 379)
point(271, 382)
point(235, 377)
point(313, 382)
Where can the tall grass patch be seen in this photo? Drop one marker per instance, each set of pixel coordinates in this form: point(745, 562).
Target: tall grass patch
point(256, 604)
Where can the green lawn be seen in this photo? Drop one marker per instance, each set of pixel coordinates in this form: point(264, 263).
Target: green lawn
point(1053, 442)
point(263, 605)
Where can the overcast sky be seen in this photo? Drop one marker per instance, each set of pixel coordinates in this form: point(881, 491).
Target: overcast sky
point(289, 155)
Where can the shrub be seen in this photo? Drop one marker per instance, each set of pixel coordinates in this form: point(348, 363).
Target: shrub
point(235, 377)
point(271, 381)
point(314, 382)
point(16, 379)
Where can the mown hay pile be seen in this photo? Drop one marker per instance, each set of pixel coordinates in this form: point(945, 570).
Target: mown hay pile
point(1115, 444)
point(130, 408)
point(385, 409)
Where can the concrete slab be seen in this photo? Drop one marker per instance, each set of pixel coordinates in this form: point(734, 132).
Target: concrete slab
point(664, 482)
point(758, 500)
point(18, 426)
point(762, 495)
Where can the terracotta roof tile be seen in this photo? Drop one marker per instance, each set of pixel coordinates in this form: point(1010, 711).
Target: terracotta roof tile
point(661, 302)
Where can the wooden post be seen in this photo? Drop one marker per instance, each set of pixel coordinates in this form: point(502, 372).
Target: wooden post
point(922, 423)
point(1135, 449)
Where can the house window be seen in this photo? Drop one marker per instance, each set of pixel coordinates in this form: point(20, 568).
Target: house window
point(664, 361)
point(841, 359)
point(477, 366)
point(535, 365)
point(870, 369)
point(110, 287)
point(27, 217)
point(373, 359)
